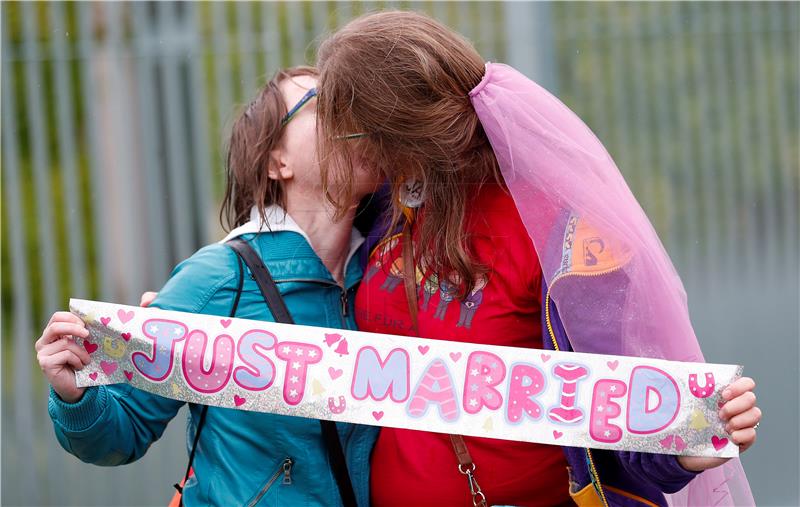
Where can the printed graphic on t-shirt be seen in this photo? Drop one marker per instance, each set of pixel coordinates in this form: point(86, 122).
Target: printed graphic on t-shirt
point(386, 258)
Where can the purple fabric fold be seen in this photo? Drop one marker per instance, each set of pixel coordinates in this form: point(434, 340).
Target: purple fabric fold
point(615, 287)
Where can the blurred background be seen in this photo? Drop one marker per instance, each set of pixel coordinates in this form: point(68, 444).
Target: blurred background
point(113, 121)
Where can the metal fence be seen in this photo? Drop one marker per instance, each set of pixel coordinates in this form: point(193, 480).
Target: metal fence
point(114, 115)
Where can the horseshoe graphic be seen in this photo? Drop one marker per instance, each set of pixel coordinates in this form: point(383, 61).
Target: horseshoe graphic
point(705, 391)
point(114, 349)
point(334, 408)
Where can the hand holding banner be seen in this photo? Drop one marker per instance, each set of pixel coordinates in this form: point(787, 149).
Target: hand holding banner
point(560, 398)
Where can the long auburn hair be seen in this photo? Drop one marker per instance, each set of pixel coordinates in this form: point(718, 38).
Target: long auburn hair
point(255, 132)
point(403, 79)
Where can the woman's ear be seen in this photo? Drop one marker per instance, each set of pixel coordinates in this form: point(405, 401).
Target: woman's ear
point(278, 170)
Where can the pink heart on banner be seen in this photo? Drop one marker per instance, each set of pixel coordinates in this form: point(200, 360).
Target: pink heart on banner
point(331, 338)
point(423, 349)
point(718, 443)
point(455, 356)
point(545, 357)
point(680, 445)
point(126, 337)
point(666, 443)
point(89, 346)
point(377, 415)
point(225, 322)
point(238, 400)
point(613, 364)
point(109, 367)
point(334, 373)
point(93, 376)
point(124, 316)
point(557, 434)
point(128, 375)
point(105, 320)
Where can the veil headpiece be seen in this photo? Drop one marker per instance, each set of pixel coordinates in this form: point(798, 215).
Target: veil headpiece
point(585, 222)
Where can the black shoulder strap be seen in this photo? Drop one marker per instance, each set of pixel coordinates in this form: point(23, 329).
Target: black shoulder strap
point(264, 280)
point(281, 314)
point(202, 420)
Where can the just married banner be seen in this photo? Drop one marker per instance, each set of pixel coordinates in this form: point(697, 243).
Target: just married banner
point(561, 398)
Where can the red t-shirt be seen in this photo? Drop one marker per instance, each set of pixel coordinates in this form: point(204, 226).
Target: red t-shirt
point(420, 468)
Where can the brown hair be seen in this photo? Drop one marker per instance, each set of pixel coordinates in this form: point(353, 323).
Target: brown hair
point(256, 131)
point(403, 79)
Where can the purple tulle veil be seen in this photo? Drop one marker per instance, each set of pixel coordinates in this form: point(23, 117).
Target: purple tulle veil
point(584, 221)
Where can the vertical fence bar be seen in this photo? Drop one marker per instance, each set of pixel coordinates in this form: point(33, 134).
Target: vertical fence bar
point(531, 49)
point(180, 207)
point(297, 32)
point(157, 250)
point(763, 159)
point(661, 128)
point(747, 207)
point(320, 22)
point(619, 98)
point(787, 150)
point(42, 169)
point(222, 68)
point(488, 33)
point(198, 118)
point(640, 172)
point(597, 94)
point(73, 196)
point(55, 17)
point(344, 12)
point(709, 174)
point(124, 235)
point(685, 163)
point(244, 29)
point(725, 159)
point(88, 97)
point(24, 470)
point(270, 36)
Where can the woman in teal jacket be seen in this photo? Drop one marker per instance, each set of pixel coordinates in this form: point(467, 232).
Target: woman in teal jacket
point(274, 201)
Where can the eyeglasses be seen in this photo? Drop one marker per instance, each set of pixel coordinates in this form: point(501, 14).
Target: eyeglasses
point(352, 136)
point(310, 94)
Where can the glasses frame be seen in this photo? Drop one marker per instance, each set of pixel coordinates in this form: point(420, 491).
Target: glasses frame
point(310, 94)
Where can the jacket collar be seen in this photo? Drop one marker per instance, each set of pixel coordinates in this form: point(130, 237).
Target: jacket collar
point(278, 220)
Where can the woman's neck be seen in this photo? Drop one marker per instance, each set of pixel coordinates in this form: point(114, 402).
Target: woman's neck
point(329, 239)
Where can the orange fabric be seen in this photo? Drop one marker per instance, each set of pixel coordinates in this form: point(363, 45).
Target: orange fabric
point(176, 498)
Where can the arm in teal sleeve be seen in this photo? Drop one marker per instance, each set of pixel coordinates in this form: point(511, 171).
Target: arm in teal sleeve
point(115, 425)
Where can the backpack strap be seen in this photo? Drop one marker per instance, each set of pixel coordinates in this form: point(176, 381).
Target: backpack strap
point(281, 314)
point(202, 420)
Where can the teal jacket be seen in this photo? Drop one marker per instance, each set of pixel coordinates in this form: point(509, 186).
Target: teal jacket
point(243, 458)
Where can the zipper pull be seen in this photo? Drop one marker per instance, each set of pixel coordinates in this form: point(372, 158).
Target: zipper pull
point(343, 299)
point(287, 471)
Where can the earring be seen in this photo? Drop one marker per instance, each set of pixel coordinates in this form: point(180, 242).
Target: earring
point(412, 193)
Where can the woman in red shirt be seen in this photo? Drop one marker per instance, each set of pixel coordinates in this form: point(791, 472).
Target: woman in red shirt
point(456, 261)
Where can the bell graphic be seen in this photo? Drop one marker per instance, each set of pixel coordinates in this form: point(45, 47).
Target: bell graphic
point(341, 349)
point(331, 338)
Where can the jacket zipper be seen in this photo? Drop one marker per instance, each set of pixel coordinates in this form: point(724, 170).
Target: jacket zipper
point(592, 467)
point(342, 294)
point(286, 469)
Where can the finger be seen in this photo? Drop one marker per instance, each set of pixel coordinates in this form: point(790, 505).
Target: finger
point(147, 298)
point(64, 317)
point(738, 405)
point(738, 388)
point(61, 359)
point(56, 347)
point(57, 330)
point(744, 438)
point(746, 419)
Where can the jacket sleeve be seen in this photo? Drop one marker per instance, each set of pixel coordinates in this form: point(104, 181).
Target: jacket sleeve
point(116, 424)
point(661, 470)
